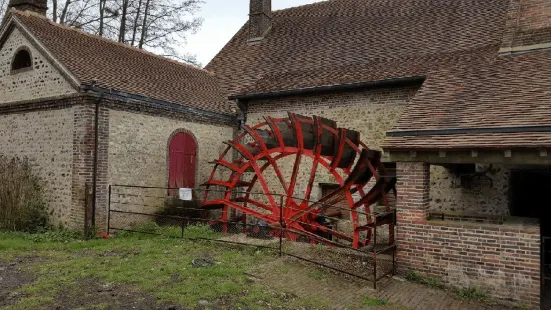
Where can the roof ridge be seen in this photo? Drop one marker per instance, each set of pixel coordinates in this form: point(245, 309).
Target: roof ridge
point(302, 5)
point(80, 31)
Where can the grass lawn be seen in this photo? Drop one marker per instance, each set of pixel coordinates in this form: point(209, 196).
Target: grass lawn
point(54, 270)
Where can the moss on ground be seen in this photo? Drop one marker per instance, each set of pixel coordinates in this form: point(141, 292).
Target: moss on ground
point(158, 266)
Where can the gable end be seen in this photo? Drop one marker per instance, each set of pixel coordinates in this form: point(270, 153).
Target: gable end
point(39, 80)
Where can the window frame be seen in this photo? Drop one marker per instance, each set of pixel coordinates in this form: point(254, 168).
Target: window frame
point(23, 69)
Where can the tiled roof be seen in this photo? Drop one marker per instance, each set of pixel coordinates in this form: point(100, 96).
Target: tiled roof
point(470, 141)
point(126, 69)
point(514, 91)
point(348, 41)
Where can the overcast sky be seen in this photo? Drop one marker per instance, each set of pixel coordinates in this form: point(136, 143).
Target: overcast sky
point(222, 19)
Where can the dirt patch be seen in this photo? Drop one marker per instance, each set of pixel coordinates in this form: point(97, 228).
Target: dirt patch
point(87, 293)
point(244, 239)
point(12, 278)
point(95, 294)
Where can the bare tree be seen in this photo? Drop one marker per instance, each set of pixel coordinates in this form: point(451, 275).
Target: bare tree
point(164, 26)
point(136, 21)
point(124, 14)
point(160, 26)
point(144, 24)
point(3, 7)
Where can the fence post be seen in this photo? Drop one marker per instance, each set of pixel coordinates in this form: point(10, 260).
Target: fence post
point(183, 225)
point(109, 211)
point(282, 226)
point(88, 206)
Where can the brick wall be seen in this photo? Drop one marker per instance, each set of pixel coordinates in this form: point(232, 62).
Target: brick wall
point(45, 137)
point(138, 146)
point(503, 260)
point(59, 137)
point(528, 23)
point(138, 149)
point(83, 152)
point(413, 192)
point(371, 112)
point(42, 81)
point(84, 161)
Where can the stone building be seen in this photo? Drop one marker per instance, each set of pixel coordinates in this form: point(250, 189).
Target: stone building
point(87, 110)
point(456, 92)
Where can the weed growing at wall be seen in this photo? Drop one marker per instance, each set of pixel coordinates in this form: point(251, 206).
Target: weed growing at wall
point(430, 282)
point(373, 302)
point(471, 292)
point(22, 206)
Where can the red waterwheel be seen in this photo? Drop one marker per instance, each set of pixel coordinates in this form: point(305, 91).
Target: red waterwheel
point(361, 177)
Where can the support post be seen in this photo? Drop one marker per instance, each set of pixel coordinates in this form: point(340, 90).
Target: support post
point(374, 250)
point(413, 188)
point(282, 225)
point(183, 225)
point(88, 210)
point(109, 211)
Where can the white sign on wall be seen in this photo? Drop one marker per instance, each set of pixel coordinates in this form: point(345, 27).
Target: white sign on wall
point(186, 194)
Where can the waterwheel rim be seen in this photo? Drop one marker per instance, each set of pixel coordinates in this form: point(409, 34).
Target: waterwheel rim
point(337, 150)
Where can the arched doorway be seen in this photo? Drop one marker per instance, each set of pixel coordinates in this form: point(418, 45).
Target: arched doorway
point(182, 161)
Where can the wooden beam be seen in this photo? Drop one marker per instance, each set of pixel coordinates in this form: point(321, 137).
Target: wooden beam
point(522, 157)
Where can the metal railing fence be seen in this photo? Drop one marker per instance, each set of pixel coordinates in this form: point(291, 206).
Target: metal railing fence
point(155, 210)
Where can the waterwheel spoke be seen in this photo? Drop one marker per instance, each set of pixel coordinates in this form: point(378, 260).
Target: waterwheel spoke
point(329, 147)
point(318, 132)
point(275, 130)
point(340, 149)
point(248, 200)
point(340, 193)
point(247, 154)
point(290, 191)
point(255, 178)
point(268, 156)
point(266, 217)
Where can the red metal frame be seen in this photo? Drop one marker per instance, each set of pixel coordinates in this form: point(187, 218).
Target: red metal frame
point(299, 215)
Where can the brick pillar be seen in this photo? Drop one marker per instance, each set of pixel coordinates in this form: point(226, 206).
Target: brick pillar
point(412, 206)
point(83, 162)
point(413, 189)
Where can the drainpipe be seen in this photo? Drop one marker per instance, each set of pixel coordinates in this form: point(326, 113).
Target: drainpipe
point(96, 151)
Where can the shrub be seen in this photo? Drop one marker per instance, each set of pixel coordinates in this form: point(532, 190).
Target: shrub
point(22, 206)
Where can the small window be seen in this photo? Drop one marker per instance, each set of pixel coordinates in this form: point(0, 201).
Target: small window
point(22, 60)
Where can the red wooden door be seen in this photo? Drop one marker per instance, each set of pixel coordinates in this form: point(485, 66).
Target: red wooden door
point(182, 161)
